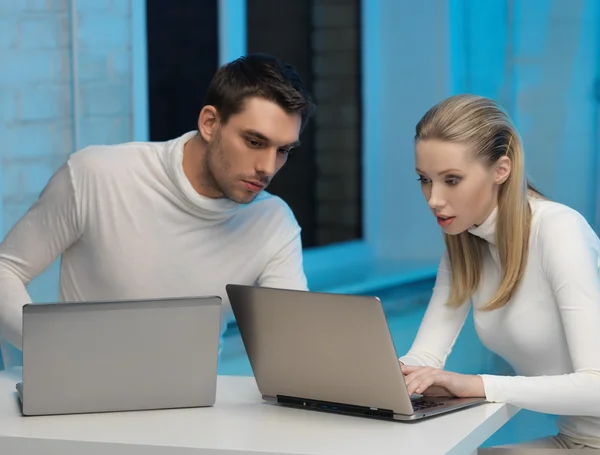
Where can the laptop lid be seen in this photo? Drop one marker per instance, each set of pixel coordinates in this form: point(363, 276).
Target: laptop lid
point(120, 356)
point(323, 347)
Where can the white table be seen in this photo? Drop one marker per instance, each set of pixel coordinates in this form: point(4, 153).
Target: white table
point(239, 423)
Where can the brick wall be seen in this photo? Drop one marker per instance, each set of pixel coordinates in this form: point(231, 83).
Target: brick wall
point(65, 71)
point(35, 95)
point(103, 70)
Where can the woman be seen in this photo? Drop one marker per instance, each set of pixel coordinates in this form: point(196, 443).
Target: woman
point(527, 265)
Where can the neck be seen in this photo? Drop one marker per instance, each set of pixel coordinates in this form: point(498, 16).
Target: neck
point(493, 204)
point(195, 167)
point(486, 216)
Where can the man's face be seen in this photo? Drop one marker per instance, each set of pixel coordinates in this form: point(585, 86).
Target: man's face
point(244, 154)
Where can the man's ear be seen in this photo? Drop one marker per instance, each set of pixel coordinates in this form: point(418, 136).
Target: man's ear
point(208, 122)
point(503, 170)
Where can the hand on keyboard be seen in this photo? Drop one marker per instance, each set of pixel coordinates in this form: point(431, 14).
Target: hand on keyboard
point(436, 382)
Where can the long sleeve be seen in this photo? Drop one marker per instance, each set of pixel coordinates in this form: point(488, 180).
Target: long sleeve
point(441, 324)
point(285, 269)
point(47, 229)
point(569, 258)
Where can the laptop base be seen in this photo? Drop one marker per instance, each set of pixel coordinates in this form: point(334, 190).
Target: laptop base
point(429, 407)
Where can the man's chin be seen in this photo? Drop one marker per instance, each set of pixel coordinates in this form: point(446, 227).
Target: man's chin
point(243, 199)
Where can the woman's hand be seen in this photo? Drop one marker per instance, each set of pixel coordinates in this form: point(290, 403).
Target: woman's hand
point(435, 382)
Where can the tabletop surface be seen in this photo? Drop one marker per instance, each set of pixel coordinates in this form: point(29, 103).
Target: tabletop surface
point(242, 422)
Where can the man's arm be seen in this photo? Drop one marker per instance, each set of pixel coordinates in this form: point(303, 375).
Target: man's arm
point(49, 227)
point(285, 269)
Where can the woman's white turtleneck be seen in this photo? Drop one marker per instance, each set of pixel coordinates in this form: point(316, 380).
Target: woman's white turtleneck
point(550, 329)
point(129, 225)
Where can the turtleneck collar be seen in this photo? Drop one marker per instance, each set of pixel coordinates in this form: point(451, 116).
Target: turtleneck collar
point(204, 207)
point(487, 229)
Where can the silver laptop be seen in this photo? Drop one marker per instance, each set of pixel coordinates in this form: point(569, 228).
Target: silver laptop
point(119, 356)
point(328, 352)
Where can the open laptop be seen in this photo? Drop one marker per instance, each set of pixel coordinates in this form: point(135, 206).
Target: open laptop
point(328, 352)
point(120, 356)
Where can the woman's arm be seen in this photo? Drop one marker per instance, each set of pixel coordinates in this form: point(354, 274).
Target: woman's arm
point(440, 326)
point(570, 259)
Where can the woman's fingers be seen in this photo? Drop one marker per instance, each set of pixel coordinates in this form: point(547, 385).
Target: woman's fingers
point(418, 381)
point(425, 377)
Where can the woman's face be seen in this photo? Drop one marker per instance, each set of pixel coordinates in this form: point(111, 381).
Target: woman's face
point(460, 189)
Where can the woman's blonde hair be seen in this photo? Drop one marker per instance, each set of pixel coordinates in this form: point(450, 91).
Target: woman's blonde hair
point(482, 125)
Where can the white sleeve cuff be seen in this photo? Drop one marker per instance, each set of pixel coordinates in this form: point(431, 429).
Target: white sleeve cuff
point(491, 389)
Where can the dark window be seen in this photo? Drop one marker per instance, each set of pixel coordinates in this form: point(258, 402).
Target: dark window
point(183, 55)
point(322, 181)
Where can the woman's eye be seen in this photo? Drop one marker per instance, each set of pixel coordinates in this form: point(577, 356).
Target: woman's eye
point(423, 180)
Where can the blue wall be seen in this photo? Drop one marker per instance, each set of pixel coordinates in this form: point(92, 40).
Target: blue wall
point(541, 60)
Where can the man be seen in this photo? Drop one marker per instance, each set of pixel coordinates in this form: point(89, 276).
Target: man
point(178, 218)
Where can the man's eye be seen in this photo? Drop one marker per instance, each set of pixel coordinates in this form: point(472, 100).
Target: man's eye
point(253, 143)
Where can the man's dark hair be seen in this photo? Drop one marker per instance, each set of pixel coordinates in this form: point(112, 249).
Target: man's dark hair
point(259, 75)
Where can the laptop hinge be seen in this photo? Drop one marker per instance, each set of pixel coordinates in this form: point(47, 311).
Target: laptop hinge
point(340, 408)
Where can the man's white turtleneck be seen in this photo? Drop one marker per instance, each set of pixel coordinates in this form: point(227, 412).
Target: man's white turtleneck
point(550, 329)
point(129, 225)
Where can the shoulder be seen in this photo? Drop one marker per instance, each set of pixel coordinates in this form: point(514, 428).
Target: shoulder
point(275, 207)
point(98, 160)
point(561, 232)
point(551, 220)
point(273, 214)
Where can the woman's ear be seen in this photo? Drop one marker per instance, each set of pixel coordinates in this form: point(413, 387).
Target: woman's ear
point(503, 170)
point(208, 122)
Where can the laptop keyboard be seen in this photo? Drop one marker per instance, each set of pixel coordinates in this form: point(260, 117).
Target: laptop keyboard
point(419, 405)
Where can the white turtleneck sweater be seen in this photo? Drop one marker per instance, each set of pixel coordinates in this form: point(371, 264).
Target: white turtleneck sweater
point(549, 331)
point(129, 225)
